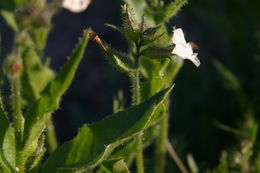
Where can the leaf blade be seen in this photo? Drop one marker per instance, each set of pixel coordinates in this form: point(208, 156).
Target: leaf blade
point(40, 110)
point(95, 142)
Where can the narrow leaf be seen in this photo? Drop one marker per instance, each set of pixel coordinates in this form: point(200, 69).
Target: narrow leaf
point(95, 142)
point(40, 110)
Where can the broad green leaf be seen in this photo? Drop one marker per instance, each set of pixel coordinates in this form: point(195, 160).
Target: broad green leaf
point(7, 142)
point(113, 166)
point(40, 110)
point(158, 74)
point(95, 142)
point(10, 19)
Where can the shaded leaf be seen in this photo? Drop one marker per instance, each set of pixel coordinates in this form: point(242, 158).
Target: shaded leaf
point(95, 142)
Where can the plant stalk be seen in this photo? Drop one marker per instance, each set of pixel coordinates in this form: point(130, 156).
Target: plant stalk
point(18, 120)
point(136, 100)
point(17, 107)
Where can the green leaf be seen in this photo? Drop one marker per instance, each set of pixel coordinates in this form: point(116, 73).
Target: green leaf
point(113, 166)
point(10, 19)
point(156, 52)
point(7, 142)
point(140, 8)
point(158, 74)
point(40, 110)
point(35, 76)
point(95, 142)
point(127, 151)
point(120, 60)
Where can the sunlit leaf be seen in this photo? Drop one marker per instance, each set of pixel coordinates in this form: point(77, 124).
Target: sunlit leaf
point(95, 142)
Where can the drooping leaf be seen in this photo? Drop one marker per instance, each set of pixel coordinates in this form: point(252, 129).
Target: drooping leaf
point(113, 166)
point(95, 142)
point(7, 142)
point(39, 111)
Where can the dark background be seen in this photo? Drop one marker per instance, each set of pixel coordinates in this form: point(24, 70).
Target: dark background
point(227, 30)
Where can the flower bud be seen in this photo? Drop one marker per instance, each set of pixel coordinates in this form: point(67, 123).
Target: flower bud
point(13, 67)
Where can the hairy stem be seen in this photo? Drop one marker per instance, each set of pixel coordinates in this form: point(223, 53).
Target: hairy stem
point(51, 135)
point(176, 158)
point(18, 120)
point(17, 107)
point(136, 100)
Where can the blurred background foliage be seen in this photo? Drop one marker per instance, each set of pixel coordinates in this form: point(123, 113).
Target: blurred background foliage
point(203, 100)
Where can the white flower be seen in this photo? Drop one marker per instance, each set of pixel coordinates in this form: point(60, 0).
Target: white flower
point(76, 6)
point(182, 48)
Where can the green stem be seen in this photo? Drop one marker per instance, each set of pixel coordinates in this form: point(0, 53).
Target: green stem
point(18, 117)
point(161, 145)
point(51, 135)
point(18, 120)
point(136, 100)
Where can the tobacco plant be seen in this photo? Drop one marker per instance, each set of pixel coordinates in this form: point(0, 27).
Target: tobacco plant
point(154, 58)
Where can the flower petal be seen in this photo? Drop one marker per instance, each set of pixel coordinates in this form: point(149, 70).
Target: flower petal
point(178, 36)
point(76, 6)
point(194, 59)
